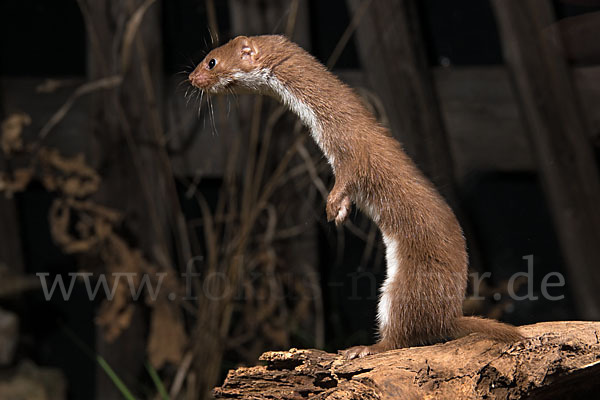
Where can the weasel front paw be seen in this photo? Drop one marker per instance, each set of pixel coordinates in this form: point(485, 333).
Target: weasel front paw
point(359, 352)
point(338, 209)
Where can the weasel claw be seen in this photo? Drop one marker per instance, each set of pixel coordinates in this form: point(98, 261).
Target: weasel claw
point(339, 211)
point(357, 352)
point(363, 351)
point(343, 211)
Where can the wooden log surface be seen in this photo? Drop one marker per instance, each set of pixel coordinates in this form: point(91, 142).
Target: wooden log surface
point(556, 360)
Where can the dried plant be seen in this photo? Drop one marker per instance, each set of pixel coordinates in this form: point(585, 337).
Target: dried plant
point(246, 298)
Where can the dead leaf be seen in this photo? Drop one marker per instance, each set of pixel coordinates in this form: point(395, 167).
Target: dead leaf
point(70, 175)
point(168, 339)
point(60, 222)
point(115, 316)
point(17, 182)
point(12, 129)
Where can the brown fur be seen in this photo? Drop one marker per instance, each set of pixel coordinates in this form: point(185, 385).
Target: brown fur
point(372, 170)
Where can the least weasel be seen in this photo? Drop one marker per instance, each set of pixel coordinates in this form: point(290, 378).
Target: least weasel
point(421, 298)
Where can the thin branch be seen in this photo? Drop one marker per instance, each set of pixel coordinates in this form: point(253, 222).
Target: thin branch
point(291, 22)
point(130, 31)
point(104, 83)
point(345, 38)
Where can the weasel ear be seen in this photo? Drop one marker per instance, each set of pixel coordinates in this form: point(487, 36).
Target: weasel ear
point(249, 51)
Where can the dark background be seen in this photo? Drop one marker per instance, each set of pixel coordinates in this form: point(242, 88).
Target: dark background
point(506, 209)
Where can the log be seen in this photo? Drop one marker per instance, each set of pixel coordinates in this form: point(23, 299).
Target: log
point(556, 359)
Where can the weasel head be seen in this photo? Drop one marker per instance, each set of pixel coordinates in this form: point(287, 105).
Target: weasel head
point(229, 67)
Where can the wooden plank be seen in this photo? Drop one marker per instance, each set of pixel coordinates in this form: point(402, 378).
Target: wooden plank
point(485, 128)
point(558, 130)
point(392, 53)
point(587, 82)
point(263, 17)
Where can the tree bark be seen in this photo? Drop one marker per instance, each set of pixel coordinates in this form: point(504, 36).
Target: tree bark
point(556, 359)
point(560, 136)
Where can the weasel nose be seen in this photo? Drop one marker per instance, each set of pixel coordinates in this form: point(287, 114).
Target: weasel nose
point(198, 79)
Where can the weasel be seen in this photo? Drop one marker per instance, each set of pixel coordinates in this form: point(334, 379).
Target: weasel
point(421, 297)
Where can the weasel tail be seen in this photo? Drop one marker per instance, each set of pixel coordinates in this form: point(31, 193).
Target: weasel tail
point(421, 297)
point(489, 327)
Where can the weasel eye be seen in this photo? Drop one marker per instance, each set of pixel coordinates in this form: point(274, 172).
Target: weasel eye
point(212, 63)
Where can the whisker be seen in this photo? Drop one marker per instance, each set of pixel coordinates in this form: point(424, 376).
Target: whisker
point(187, 65)
point(212, 40)
point(191, 61)
point(212, 113)
point(208, 102)
point(191, 96)
point(230, 90)
point(203, 115)
point(199, 96)
point(193, 91)
point(182, 82)
point(235, 97)
point(195, 94)
point(199, 102)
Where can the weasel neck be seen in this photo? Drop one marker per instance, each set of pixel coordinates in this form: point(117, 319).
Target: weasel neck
point(329, 108)
point(333, 112)
point(295, 99)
